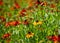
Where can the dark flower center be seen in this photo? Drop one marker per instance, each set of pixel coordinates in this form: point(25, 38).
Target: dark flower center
point(37, 21)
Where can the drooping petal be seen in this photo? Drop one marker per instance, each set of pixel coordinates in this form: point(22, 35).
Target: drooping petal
point(16, 5)
point(1, 3)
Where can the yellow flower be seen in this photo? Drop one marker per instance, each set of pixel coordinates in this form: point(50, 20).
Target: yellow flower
point(34, 23)
point(37, 23)
point(40, 22)
point(29, 34)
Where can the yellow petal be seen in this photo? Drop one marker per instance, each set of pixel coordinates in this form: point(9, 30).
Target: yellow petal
point(40, 22)
point(34, 23)
point(27, 36)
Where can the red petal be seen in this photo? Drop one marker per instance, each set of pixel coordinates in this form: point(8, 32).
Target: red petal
point(23, 10)
point(1, 3)
point(7, 24)
point(54, 38)
point(22, 13)
point(17, 5)
point(6, 35)
point(12, 23)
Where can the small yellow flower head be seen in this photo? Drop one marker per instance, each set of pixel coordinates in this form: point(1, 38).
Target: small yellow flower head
point(34, 23)
point(40, 22)
point(37, 23)
point(29, 34)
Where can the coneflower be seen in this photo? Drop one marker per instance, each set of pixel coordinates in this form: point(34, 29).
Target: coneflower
point(37, 22)
point(12, 23)
point(54, 38)
point(16, 5)
point(22, 13)
point(29, 35)
point(6, 36)
point(25, 22)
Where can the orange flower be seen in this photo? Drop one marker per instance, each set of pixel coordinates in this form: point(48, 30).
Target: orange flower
point(12, 23)
point(52, 5)
point(11, 8)
point(29, 34)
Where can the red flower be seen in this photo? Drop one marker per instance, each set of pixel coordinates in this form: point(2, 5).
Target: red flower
point(2, 18)
point(23, 10)
point(1, 2)
point(5, 36)
point(25, 22)
point(53, 38)
point(41, 3)
point(16, 5)
point(22, 13)
point(12, 23)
